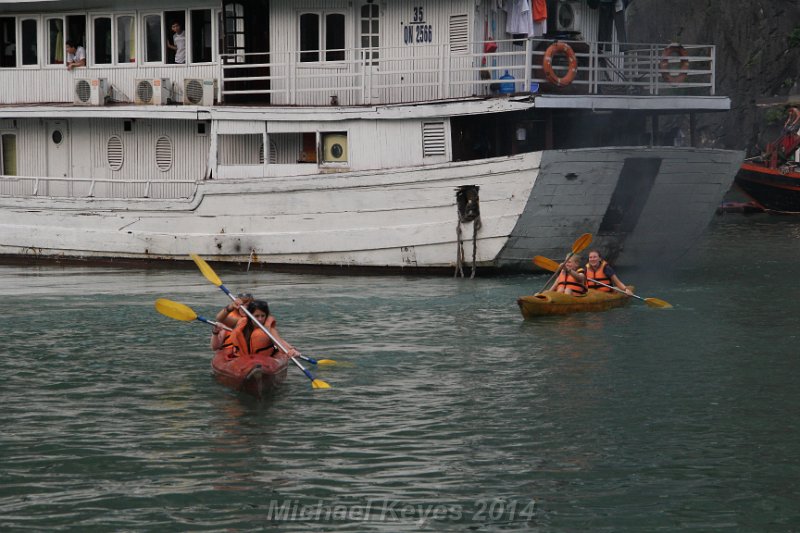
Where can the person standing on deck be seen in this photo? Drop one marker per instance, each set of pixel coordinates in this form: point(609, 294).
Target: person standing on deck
point(598, 269)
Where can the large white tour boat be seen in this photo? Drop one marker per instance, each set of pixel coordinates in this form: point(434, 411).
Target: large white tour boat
point(338, 133)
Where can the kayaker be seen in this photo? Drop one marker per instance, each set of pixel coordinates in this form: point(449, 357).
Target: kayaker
point(248, 338)
point(571, 279)
point(230, 314)
point(598, 269)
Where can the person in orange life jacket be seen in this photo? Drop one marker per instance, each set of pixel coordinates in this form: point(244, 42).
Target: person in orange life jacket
point(597, 268)
point(571, 279)
point(247, 338)
point(229, 315)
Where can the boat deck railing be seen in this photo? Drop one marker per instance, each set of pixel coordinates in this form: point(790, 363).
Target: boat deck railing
point(385, 75)
point(68, 187)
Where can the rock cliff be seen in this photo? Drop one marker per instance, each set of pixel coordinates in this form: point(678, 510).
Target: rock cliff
point(758, 57)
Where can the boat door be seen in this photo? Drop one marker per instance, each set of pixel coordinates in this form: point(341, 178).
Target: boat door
point(58, 158)
point(369, 28)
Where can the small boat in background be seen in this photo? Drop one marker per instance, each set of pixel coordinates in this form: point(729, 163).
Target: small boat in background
point(256, 375)
point(772, 179)
point(558, 303)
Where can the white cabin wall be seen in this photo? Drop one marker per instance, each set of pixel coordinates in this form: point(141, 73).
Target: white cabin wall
point(44, 83)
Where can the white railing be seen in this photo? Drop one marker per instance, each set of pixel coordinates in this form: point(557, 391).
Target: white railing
point(95, 188)
point(435, 72)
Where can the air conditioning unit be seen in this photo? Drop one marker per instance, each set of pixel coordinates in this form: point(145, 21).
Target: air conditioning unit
point(334, 148)
point(199, 91)
point(90, 91)
point(151, 91)
point(568, 18)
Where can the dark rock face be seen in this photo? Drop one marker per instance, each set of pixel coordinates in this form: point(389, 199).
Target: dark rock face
point(758, 56)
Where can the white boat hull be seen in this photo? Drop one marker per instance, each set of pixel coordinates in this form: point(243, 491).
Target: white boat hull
point(402, 218)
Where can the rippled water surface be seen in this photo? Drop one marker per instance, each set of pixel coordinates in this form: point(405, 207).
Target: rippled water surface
point(457, 414)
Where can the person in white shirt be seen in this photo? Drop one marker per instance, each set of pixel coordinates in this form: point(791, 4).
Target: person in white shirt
point(76, 55)
point(178, 43)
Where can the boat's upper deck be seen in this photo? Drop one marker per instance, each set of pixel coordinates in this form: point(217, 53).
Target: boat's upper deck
point(345, 54)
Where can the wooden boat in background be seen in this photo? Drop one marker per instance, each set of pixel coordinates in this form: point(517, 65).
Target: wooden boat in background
point(557, 303)
point(256, 375)
point(772, 179)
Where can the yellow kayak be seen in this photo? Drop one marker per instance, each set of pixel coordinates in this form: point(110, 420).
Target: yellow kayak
point(558, 303)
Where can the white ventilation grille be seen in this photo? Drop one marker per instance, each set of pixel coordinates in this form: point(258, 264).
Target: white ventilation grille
point(114, 153)
point(163, 154)
point(433, 139)
point(83, 90)
point(273, 153)
point(194, 91)
point(459, 34)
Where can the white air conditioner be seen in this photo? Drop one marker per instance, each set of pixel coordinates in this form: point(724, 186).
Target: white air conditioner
point(568, 18)
point(198, 91)
point(90, 91)
point(334, 147)
point(151, 91)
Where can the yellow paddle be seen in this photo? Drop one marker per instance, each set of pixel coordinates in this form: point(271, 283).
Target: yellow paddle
point(580, 244)
point(211, 276)
point(549, 264)
point(183, 312)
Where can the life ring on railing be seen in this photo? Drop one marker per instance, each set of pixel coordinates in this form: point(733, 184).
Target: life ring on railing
point(559, 48)
point(674, 50)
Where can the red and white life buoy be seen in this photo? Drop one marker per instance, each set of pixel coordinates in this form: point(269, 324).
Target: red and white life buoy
point(559, 48)
point(671, 51)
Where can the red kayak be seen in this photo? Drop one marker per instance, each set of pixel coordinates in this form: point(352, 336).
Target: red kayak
point(256, 375)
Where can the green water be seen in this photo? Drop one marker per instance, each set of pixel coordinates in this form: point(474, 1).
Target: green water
point(457, 416)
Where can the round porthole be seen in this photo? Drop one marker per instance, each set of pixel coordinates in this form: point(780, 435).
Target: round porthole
point(57, 136)
point(337, 150)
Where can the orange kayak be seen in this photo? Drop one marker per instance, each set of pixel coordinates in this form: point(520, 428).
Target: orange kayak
point(256, 375)
point(558, 303)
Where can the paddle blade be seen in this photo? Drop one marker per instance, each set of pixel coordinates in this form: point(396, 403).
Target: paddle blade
point(207, 271)
point(319, 384)
point(545, 263)
point(655, 302)
point(581, 243)
point(175, 310)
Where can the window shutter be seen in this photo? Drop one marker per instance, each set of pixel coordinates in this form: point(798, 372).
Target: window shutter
point(433, 140)
point(459, 34)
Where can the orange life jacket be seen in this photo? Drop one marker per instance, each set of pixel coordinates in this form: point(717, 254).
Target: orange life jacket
point(260, 342)
point(599, 275)
point(571, 282)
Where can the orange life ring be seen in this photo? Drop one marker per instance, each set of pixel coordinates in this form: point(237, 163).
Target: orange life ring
point(674, 50)
point(547, 64)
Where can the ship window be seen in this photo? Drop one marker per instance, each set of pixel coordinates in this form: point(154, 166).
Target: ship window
point(370, 34)
point(127, 125)
point(8, 42)
point(114, 153)
point(55, 41)
point(101, 48)
point(200, 33)
point(163, 153)
point(30, 51)
point(76, 29)
point(289, 148)
point(8, 154)
point(152, 38)
point(317, 28)
point(126, 39)
point(171, 17)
